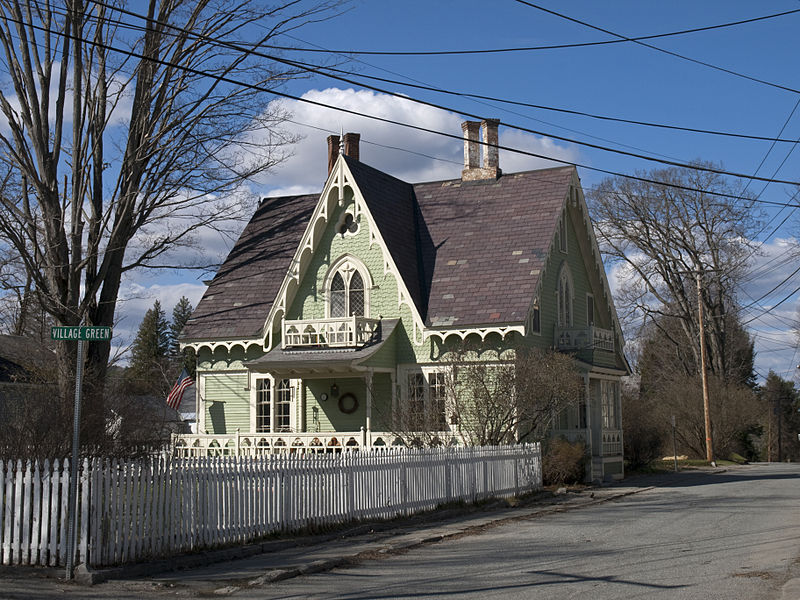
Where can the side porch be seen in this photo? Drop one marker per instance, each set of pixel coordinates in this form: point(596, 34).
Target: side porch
point(597, 422)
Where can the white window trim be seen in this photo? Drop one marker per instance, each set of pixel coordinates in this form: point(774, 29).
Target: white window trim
point(348, 264)
point(294, 387)
point(590, 298)
point(428, 408)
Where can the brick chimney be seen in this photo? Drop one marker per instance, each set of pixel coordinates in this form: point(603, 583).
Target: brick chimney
point(473, 149)
point(351, 145)
point(333, 151)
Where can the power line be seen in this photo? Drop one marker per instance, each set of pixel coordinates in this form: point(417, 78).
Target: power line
point(238, 48)
point(662, 50)
point(232, 81)
point(579, 113)
point(771, 308)
point(531, 48)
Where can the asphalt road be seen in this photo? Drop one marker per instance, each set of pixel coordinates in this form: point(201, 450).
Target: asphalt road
point(732, 535)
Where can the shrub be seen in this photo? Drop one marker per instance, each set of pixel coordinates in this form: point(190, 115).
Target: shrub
point(643, 437)
point(564, 462)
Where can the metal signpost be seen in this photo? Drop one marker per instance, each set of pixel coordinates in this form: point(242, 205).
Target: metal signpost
point(81, 334)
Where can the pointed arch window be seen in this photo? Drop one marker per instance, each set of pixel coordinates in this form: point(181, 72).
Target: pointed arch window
point(565, 292)
point(347, 292)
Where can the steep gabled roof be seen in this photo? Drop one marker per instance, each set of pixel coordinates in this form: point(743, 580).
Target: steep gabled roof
point(239, 297)
point(391, 203)
point(469, 253)
point(489, 243)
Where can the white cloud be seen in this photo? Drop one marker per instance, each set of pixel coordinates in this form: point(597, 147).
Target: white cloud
point(408, 154)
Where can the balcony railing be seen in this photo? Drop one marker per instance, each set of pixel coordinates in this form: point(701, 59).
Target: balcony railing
point(585, 338)
point(345, 332)
point(612, 442)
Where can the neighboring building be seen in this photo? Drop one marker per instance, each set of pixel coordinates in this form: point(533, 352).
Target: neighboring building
point(26, 367)
point(331, 311)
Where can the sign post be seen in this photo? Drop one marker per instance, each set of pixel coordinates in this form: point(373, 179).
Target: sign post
point(82, 334)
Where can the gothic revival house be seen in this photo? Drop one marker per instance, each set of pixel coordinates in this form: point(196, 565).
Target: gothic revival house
point(328, 317)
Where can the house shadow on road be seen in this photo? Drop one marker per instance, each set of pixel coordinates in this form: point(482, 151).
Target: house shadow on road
point(711, 476)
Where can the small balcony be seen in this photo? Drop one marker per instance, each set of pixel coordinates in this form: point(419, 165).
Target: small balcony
point(584, 338)
point(343, 332)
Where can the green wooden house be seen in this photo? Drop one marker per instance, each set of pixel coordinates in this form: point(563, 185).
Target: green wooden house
point(328, 318)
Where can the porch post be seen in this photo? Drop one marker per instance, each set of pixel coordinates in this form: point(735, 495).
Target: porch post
point(200, 402)
point(588, 399)
point(395, 407)
point(368, 379)
point(273, 397)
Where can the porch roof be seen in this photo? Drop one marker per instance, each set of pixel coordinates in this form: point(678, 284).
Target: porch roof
point(320, 362)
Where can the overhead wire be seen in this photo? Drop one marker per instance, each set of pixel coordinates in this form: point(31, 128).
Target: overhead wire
point(423, 102)
point(281, 94)
point(534, 48)
point(658, 49)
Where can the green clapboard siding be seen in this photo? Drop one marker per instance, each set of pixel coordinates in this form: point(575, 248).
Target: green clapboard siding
point(229, 403)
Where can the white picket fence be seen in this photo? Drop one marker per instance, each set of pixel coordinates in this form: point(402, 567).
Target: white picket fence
point(139, 510)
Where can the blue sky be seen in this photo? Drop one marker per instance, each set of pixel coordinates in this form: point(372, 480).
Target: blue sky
point(623, 80)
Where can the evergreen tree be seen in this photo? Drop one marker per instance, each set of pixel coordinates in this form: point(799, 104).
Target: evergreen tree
point(149, 370)
point(186, 359)
point(782, 402)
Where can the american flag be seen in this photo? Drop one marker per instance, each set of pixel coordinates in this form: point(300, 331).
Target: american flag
point(176, 393)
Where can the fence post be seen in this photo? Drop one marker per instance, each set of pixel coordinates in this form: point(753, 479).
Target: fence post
point(448, 477)
point(84, 522)
point(349, 467)
point(404, 486)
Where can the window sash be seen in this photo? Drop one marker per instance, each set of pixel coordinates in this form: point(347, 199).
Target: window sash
point(283, 406)
point(263, 401)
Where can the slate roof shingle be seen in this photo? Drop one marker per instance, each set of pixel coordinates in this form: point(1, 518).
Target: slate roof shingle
point(238, 299)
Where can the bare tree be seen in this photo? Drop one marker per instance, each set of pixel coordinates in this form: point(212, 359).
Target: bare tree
point(128, 139)
point(661, 235)
point(495, 397)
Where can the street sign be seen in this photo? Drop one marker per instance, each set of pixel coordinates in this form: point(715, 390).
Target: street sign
point(92, 333)
point(81, 334)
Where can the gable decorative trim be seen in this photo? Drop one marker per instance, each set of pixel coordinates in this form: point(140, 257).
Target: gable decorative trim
point(227, 344)
point(462, 334)
point(334, 191)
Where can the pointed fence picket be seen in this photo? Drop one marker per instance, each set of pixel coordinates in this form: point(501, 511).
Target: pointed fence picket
point(133, 510)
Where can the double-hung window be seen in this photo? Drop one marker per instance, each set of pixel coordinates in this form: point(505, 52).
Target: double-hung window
point(273, 416)
point(427, 401)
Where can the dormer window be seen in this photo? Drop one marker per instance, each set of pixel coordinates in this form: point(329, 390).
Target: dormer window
point(347, 289)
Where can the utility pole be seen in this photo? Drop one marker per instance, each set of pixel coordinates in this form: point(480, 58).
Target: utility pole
point(706, 408)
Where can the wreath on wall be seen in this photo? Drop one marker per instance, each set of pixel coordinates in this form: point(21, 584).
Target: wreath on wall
point(348, 403)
